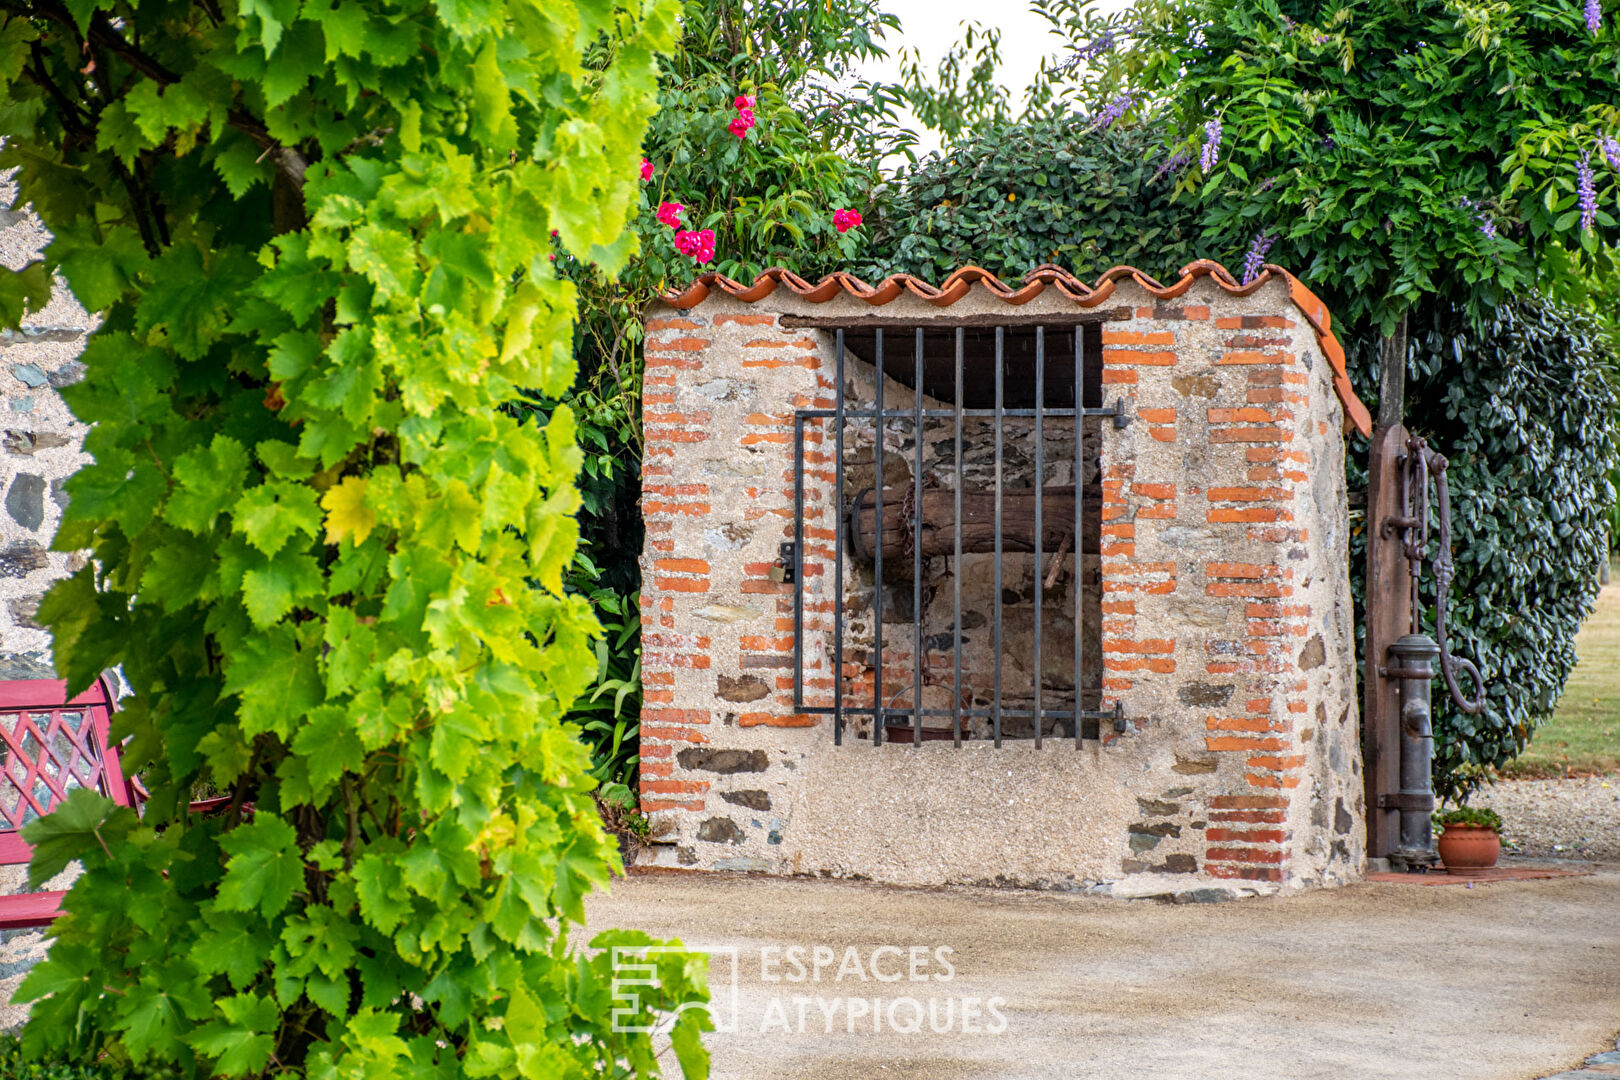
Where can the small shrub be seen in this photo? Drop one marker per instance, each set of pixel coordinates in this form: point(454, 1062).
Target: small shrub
point(1470, 817)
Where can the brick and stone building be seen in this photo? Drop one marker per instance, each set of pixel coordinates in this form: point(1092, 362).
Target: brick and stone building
point(1209, 590)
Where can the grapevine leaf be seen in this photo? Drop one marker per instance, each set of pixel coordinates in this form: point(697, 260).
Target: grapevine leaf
point(232, 944)
point(381, 889)
point(278, 682)
point(82, 822)
point(386, 258)
point(264, 869)
point(207, 482)
point(276, 585)
point(269, 514)
point(346, 512)
point(242, 1042)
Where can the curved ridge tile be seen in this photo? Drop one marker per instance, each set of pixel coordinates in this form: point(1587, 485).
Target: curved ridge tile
point(689, 297)
point(762, 287)
point(1161, 292)
point(960, 283)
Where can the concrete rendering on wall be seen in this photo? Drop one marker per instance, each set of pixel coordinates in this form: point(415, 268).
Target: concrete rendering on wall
point(1222, 583)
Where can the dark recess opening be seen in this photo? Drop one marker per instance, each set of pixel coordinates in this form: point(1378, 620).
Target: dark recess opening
point(979, 363)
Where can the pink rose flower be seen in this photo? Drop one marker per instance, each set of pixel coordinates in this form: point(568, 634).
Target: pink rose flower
point(697, 244)
point(745, 101)
point(669, 213)
point(739, 126)
point(845, 220)
point(646, 169)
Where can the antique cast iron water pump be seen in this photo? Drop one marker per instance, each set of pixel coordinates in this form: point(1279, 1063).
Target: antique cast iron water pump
point(1412, 656)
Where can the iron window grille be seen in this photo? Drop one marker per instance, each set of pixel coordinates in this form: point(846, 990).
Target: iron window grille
point(1025, 385)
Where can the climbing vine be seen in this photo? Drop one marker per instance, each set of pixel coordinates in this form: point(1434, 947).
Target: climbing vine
point(325, 238)
point(763, 145)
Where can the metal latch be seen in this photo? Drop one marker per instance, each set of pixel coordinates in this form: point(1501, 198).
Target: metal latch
point(787, 558)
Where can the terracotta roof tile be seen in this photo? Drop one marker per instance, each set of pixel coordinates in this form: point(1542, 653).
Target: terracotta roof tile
point(1037, 281)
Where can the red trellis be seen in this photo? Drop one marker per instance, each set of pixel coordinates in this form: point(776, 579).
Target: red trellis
point(48, 747)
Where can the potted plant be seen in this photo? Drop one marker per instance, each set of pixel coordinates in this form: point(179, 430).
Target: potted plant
point(1471, 840)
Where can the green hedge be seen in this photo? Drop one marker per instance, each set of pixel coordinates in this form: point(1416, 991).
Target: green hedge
point(1056, 191)
point(14, 1066)
point(1524, 411)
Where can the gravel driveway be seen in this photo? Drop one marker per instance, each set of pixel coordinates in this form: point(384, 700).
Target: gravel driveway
point(1560, 819)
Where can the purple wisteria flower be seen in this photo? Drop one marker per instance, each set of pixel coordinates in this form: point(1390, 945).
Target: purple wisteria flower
point(1103, 42)
point(1173, 164)
point(1594, 15)
point(1256, 258)
point(1211, 152)
point(1114, 110)
point(1611, 152)
point(1586, 192)
point(1482, 220)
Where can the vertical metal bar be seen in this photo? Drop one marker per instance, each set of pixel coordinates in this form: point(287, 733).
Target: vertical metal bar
point(956, 563)
point(1040, 484)
point(838, 546)
point(995, 708)
point(1079, 560)
point(877, 547)
point(916, 553)
point(798, 562)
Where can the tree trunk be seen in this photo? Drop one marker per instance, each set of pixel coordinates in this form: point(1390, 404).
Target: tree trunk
point(1392, 377)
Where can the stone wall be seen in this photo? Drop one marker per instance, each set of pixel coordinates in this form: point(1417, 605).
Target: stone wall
point(41, 444)
point(1225, 623)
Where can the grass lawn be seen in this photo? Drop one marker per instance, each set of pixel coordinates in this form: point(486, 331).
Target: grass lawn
point(1583, 736)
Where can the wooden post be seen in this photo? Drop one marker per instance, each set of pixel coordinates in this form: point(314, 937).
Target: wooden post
point(1389, 601)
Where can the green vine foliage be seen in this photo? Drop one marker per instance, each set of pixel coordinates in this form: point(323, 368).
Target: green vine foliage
point(328, 556)
point(1524, 410)
point(769, 198)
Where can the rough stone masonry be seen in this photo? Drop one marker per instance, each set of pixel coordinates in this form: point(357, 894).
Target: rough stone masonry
point(41, 445)
point(1226, 624)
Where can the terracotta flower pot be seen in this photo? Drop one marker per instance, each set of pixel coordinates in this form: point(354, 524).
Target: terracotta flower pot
point(1469, 849)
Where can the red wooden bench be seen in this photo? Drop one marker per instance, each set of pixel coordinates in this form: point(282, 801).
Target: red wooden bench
point(49, 746)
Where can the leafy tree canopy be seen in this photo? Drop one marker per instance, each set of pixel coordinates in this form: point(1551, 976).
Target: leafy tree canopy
point(1389, 150)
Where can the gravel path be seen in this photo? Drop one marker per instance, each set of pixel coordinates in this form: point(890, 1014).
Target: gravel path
point(1562, 819)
